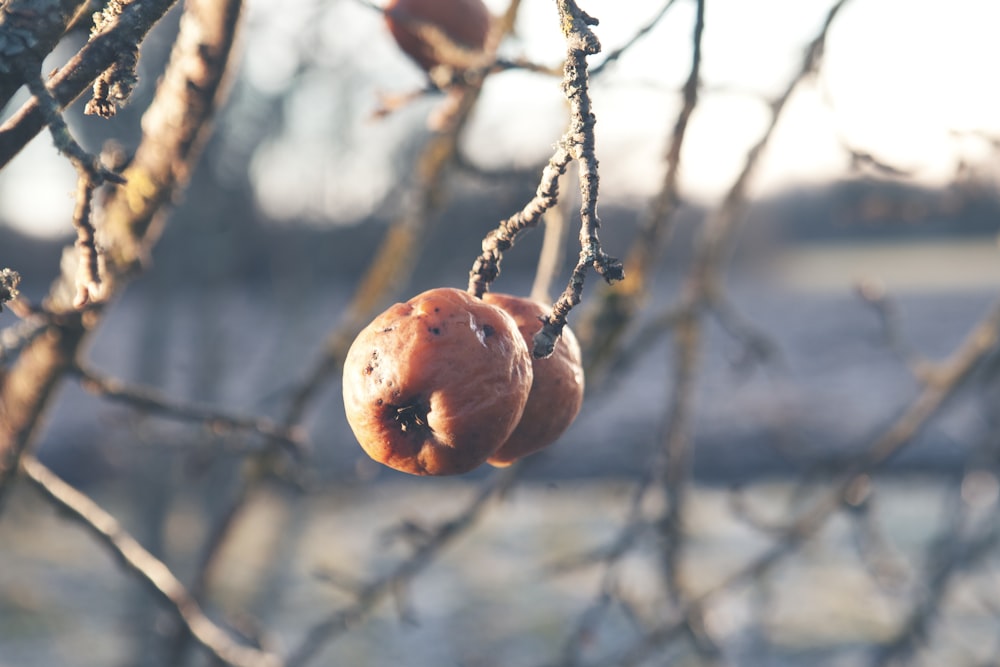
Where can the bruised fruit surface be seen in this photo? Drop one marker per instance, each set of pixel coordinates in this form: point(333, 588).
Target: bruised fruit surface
point(435, 385)
point(464, 22)
point(557, 390)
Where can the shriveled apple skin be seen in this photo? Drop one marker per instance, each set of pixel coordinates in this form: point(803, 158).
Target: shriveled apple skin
point(557, 389)
point(433, 386)
point(465, 22)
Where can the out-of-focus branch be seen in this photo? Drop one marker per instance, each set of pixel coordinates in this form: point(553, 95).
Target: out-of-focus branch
point(149, 400)
point(952, 374)
point(29, 30)
point(702, 290)
point(553, 242)
point(9, 280)
point(431, 544)
point(956, 552)
point(874, 294)
point(723, 222)
point(605, 323)
point(615, 54)
point(122, 34)
point(174, 126)
point(15, 337)
point(675, 464)
point(151, 571)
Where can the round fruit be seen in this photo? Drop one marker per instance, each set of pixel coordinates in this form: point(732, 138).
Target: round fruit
point(556, 392)
point(435, 385)
point(414, 25)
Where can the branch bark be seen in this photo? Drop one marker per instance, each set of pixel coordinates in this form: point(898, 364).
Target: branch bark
point(29, 30)
point(123, 33)
point(152, 571)
point(174, 127)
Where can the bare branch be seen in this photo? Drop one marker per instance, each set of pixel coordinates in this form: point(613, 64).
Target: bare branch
point(605, 324)
point(576, 144)
point(103, 50)
point(174, 126)
point(149, 400)
point(614, 55)
point(29, 30)
point(486, 268)
point(581, 42)
point(385, 586)
point(981, 342)
point(151, 571)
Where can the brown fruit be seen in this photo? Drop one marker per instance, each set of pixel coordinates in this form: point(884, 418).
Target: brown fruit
point(556, 391)
point(434, 385)
point(464, 23)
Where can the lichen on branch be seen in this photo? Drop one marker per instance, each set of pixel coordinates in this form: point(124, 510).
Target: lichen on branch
point(9, 280)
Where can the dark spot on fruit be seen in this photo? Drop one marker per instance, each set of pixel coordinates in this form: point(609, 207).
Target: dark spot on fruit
point(387, 329)
point(488, 331)
point(435, 330)
point(412, 418)
point(379, 402)
point(437, 309)
point(369, 369)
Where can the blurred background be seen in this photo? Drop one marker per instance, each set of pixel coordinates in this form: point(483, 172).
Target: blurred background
point(866, 253)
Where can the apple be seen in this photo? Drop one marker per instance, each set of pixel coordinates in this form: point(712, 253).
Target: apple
point(557, 389)
point(414, 25)
point(435, 385)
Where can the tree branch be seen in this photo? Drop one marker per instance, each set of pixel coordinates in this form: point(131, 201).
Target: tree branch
point(102, 51)
point(29, 30)
point(174, 126)
point(149, 400)
point(431, 544)
point(151, 571)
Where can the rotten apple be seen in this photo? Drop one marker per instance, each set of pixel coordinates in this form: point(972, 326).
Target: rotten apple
point(435, 385)
point(556, 391)
point(439, 32)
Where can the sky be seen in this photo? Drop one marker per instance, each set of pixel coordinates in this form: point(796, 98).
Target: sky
point(910, 81)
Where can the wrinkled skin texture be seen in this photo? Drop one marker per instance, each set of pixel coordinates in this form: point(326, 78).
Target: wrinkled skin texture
point(435, 385)
point(465, 22)
point(556, 392)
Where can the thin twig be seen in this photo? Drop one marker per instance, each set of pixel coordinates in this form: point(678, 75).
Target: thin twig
point(486, 268)
point(576, 144)
point(982, 342)
point(64, 140)
point(89, 286)
point(150, 570)
point(605, 324)
point(103, 50)
point(150, 400)
point(553, 243)
point(29, 30)
point(581, 42)
point(615, 54)
point(429, 548)
point(956, 553)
